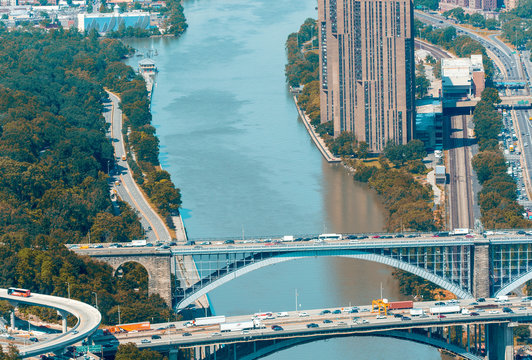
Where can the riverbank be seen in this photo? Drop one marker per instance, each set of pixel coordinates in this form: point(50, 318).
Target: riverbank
point(320, 144)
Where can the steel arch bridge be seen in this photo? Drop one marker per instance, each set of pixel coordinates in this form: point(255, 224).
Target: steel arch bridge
point(466, 267)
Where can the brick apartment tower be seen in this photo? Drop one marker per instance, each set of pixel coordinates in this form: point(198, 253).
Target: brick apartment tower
point(367, 69)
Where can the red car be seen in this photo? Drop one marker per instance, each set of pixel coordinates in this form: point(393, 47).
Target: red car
point(441, 316)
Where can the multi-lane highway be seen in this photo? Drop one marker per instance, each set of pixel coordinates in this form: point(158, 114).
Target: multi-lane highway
point(123, 180)
point(88, 321)
point(345, 319)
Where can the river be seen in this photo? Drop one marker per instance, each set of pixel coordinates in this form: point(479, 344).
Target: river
point(232, 141)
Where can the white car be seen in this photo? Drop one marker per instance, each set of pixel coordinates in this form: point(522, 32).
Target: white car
point(303, 314)
point(381, 317)
point(493, 311)
point(282, 314)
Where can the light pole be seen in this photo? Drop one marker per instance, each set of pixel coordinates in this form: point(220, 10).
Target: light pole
point(96, 295)
point(68, 284)
point(118, 314)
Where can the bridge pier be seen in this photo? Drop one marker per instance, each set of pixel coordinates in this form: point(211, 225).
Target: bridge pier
point(12, 319)
point(500, 342)
point(172, 354)
point(480, 266)
point(64, 316)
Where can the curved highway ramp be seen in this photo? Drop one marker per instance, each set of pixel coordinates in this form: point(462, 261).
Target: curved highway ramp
point(88, 321)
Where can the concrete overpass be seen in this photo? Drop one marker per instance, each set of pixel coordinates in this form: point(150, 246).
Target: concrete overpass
point(507, 102)
point(88, 321)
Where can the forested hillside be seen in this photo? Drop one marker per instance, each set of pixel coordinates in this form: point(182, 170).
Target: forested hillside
point(54, 158)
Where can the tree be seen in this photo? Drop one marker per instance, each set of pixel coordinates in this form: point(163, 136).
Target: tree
point(522, 332)
point(131, 352)
point(477, 20)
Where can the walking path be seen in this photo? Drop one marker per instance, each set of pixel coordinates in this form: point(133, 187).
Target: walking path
point(327, 155)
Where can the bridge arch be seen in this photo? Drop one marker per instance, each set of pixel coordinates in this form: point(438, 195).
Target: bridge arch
point(401, 335)
point(438, 280)
point(514, 284)
point(158, 269)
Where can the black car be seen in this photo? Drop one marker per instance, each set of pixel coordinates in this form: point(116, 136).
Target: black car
point(277, 328)
point(399, 236)
point(507, 310)
point(337, 311)
point(190, 242)
point(327, 321)
point(474, 313)
point(156, 337)
point(33, 339)
point(440, 303)
point(312, 325)
point(352, 237)
point(362, 237)
point(397, 315)
point(173, 243)
point(521, 232)
point(405, 318)
point(229, 242)
point(323, 312)
point(187, 334)
point(481, 300)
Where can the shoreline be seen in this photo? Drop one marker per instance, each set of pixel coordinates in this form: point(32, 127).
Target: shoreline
point(318, 141)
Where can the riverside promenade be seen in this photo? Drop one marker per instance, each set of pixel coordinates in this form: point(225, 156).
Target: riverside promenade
point(320, 144)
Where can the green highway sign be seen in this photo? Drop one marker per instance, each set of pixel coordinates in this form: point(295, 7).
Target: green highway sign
point(89, 348)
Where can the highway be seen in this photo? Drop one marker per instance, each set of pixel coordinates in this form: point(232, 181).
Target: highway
point(127, 188)
point(338, 320)
point(88, 321)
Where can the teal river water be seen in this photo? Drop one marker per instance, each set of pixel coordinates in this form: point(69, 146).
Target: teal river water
point(232, 141)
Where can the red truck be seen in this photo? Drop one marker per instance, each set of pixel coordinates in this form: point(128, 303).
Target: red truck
point(396, 305)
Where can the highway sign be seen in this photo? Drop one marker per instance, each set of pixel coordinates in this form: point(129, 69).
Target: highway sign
point(89, 348)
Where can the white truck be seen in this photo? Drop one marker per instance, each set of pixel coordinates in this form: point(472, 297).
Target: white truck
point(138, 243)
point(502, 298)
point(211, 320)
point(447, 309)
point(416, 312)
point(239, 326)
point(461, 231)
point(287, 238)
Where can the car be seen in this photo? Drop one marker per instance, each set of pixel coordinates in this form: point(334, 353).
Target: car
point(493, 312)
point(441, 316)
point(282, 314)
point(522, 308)
point(473, 303)
point(216, 334)
point(376, 237)
point(170, 326)
point(33, 339)
point(381, 317)
point(365, 310)
point(521, 232)
point(190, 243)
point(303, 314)
point(440, 303)
point(145, 341)
point(473, 313)
point(337, 311)
point(356, 319)
point(155, 337)
point(229, 242)
point(245, 332)
point(149, 228)
point(75, 332)
point(507, 310)
point(173, 243)
point(361, 237)
point(277, 328)
point(351, 237)
point(353, 311)
point(312, 325)
point(397, 315)
point(206, 243)
point(187, 334)
point(481, 300)
point(405, 318)
point(399, 236)
point(327, 321)
point(323, 312)
point(364, 321)
point(423, 316)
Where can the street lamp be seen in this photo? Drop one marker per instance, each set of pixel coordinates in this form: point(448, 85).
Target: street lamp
point(118, 314)
point(96, 295)
point(68, 289)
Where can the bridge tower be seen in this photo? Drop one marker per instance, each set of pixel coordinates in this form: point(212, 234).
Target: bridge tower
point(480, 266)
point(500, 342)
point(157, 264)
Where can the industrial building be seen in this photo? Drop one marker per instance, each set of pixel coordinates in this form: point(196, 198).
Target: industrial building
point(462, 78)
point(367, 69)
point(429, 123)
point(104, 22)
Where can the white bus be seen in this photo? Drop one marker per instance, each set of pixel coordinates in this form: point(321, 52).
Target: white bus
point(325, 237)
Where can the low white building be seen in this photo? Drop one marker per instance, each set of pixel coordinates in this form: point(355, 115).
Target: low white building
point(462, 77)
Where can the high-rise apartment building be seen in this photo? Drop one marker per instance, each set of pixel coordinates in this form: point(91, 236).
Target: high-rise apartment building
point(367, 69)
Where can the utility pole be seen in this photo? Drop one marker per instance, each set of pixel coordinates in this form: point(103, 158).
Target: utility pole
point(68, 284)
point(296, 300)
point(119, 314)
point(96, 295)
